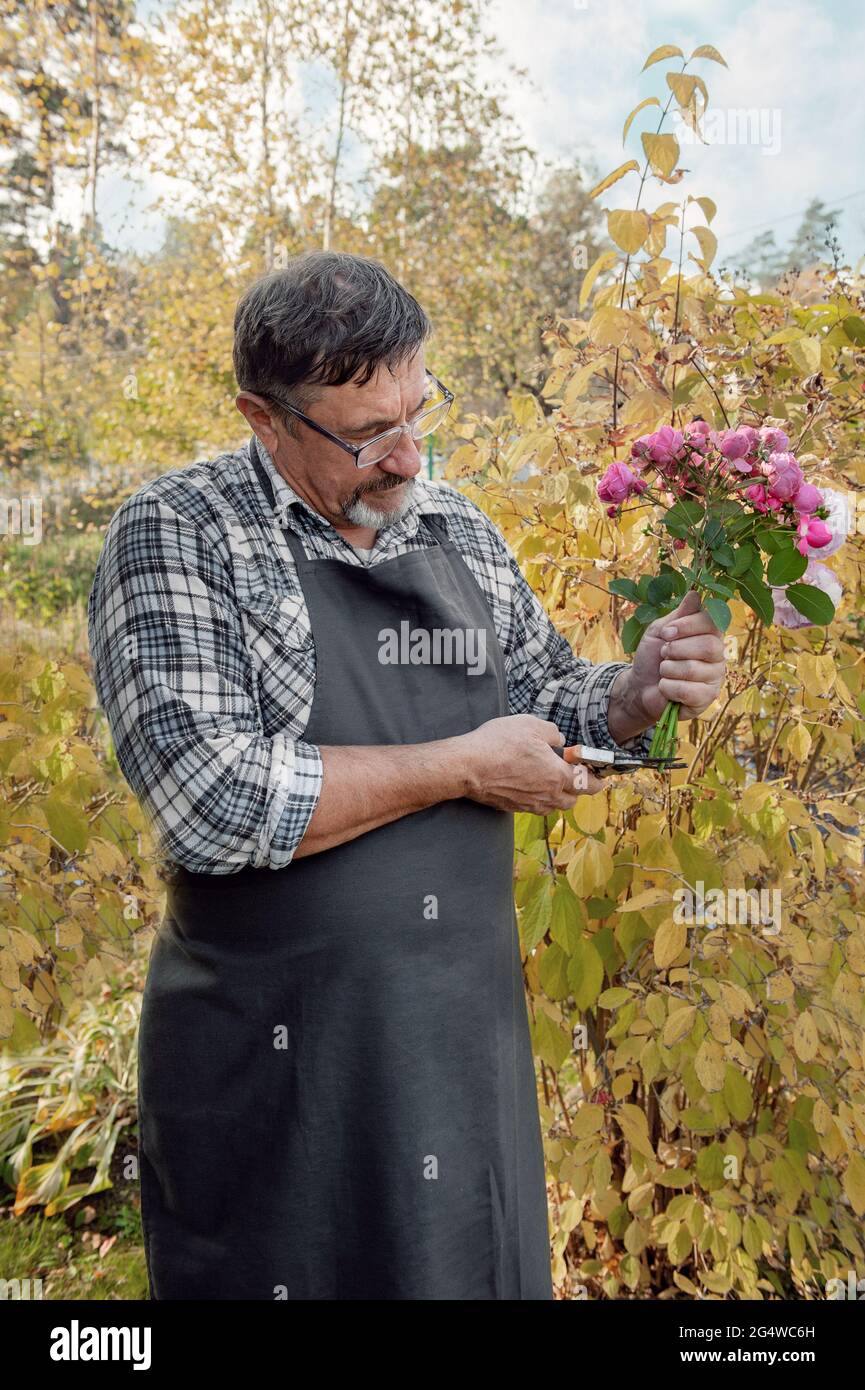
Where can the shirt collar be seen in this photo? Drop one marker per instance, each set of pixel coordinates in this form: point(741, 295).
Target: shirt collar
point(288, 502)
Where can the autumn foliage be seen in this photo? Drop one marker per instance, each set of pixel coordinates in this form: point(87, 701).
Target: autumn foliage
point(695, 944)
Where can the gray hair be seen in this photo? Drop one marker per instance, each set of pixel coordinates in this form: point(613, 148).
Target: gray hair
point(324, 319)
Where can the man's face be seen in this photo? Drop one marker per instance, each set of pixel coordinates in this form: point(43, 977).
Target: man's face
point(324, 475)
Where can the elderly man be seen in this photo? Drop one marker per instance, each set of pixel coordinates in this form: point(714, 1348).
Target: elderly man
point(330, 687)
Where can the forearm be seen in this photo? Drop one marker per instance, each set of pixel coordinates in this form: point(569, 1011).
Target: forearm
point(364, 787)
point(625, 715)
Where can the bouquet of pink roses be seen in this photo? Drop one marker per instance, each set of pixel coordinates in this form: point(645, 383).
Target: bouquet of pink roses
point(737, 500)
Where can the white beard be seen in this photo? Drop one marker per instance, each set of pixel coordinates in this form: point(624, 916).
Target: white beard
point(360, 513)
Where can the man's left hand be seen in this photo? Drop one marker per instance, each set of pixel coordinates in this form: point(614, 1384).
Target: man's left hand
point(680, 657)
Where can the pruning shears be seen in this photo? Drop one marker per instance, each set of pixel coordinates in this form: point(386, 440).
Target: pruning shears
point(603, 762)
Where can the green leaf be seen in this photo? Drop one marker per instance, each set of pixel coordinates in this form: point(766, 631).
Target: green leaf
point(718, 612)
point(757, 597)
point(553, 973)
point(550, 1042)
point(744, 559)
point(568, 918)
point(682, 518)
point(772, 540)
point(660, 588)
point(737, 1093)
point(677, 579)
point(854, 327)
point(632, 632)
point(811, 602)
point(537, 914)
point(67, 824)
point(723, 555)
point(585, 974)
point(625, 588)
point(785, 566)
point(716, 586)
point(647, 613)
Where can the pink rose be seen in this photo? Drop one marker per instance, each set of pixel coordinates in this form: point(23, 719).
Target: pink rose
point(773, 440)
point(813, 533)
point(808, 498)
point(839, 520)
point(665, 445)
point(735, 444)
point(697, 435)
point(762, 499)
point(619, 483)
point(785, 476)
point(640, 449)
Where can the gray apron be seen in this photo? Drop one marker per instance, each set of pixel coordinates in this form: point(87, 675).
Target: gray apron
point(337, 1096)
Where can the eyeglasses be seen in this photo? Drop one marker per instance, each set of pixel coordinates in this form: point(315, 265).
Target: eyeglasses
point(374, 450)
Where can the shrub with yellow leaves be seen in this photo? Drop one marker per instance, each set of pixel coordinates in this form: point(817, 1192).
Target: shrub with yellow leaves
point(695, 944)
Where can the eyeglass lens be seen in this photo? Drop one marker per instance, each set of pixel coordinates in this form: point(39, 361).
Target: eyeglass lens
point(425, 423)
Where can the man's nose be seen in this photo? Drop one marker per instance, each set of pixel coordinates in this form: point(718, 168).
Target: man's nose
point(405, 459)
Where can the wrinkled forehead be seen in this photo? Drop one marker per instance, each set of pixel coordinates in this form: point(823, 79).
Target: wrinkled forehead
point(379, 402)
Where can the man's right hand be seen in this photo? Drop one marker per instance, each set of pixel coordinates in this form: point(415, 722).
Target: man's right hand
point(511, 765)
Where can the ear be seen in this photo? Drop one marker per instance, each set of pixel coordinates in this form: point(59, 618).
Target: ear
point(261, 418)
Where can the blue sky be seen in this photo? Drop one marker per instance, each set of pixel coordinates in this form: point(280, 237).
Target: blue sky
point(797, 63)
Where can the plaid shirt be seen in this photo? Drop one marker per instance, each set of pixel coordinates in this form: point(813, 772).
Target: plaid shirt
point(204, 660)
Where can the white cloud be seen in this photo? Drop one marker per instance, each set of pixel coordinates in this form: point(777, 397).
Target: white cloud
point(800, 59)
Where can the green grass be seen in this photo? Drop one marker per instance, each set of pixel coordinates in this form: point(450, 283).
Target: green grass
point(101, 1258)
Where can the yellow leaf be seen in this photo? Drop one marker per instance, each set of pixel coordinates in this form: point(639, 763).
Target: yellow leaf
point(710, 1065)
point(805, 1038)
point(708, 245)
point(591, 813)
point(682, 85)
point(706, 50)
point(650, 897)
point(648, 101)
point(590, 868)
point(614, 177)
point(678, 1024)
point(634, 1125)
point(662, 152)
point(719, 1024)
point(799, 742)
point(628, 229)
point(708, 206)
point(821, 1117)
point(589, 1120)
point(854, 1183)
point(670, 940)
point(666, 50)
point(608, 327)
point(605, 261)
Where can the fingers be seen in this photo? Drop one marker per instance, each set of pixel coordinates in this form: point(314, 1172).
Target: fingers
point(690, 604)
point(695, 625)
point(704, 647)
point(586, 783)
point(693, 696)
point(707, 672)
point(551, 732)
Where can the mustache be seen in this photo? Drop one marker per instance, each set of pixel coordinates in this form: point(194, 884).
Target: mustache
point(380, 485)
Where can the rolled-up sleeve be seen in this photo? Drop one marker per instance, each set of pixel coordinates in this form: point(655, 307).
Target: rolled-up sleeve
point(175, 680)
point(546, 678)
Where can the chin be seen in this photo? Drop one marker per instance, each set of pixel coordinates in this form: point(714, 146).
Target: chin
point(381, 508)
